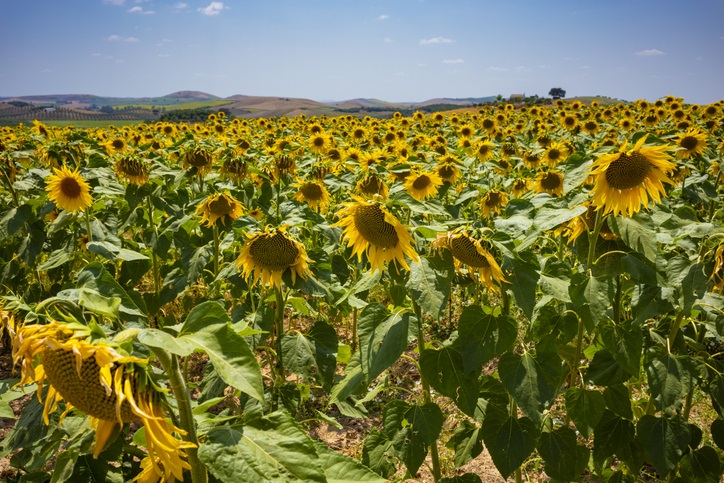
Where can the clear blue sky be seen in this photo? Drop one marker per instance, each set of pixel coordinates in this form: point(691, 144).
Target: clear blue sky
point(396, 50)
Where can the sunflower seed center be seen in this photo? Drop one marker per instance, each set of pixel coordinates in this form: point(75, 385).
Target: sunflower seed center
point(70, 187)
point(628, 171)
point(273, 252)
point(370, 223)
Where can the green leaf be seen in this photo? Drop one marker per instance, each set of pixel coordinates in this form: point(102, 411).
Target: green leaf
point(701, 466)
point(443, 370)
point(464, 478)
point(564, 459)
point(605, 371)
point(618, 400)
point(163, 340)
point(55, 259)
point(591, 298)
point(637, 232)
point(339, 468)
point(717, 432)
point(664, 441)
point(668, 376)
point(466, 442)
point(94, 281)
point(312, 355)
point(616, 435)
point(379, 454)
point(113, 252)
point(532, 379)
point(430, 282)
point(412, 429)
point(273, 448)
point(522, 273)
point(548, 218)
point(382, 338)
point(207, 327)
point(484, 336)
point(510, 441)
point(625, 342)
point(585, 408)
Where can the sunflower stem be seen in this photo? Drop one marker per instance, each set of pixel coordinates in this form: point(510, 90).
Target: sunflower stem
point(593, 238)
point(427, 398)
point(713, 203)
point(354, 329)
point(617, 301)
point(279, 329)
point(88, 225)
point(11, 188)
point(216, 251)
point(156, 273)
point(171, 366)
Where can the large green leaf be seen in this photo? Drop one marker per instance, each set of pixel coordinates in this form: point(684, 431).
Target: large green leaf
point(605, 371)
point(339, 468)
point(312, 355)
point(379, 454)
point(591, 298)
point(637, 232)
point(382, 338)
point(510, 441)
point(701, 466)
point(585, 408)
point(466, 442)
point(273, 448)
point(564, 459)
point(430, 282)
point(532, 379)
point(669, 377)
point(443, 370)
point(625, 342)
point(664, 440)
point(96, 284)
point(412, 429)
point(616, 435)
point(618, 400)
point(522, 273)
point(484, 336)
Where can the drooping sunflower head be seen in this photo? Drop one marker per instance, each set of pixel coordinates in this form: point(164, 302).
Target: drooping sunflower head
point(235, 169)
point(550, 182)
point(68, 190)
point(284, 164)
point(520, 187)
point(372, 186)
point(493, 202)
point(531, 159)
point(132, 170)
point(221, 206)
point(267, 255)
point(422, 185)
point(198, 158)
point(717, 274)
point(691, 142)
point(103, 381)
point(626, 179)
point(469, 251)
point(314, 194)
point(372, 230)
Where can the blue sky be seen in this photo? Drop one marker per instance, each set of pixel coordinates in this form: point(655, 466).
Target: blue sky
point(396, 50)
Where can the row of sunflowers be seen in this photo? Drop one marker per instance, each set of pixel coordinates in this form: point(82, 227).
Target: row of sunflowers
point(553, 274)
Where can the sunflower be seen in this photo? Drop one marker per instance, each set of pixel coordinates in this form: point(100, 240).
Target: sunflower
point(531, 159)
point(235, 169)
point(69, 190)
point(493, 202)
point(423, 185)
point(132, 170)
point(555, 154)
point(626, 179)
point(469, 251)
point(584, 223)
point(372, 185)
point(220, 206)
point(370, 229)
point(198, 158)
point(520, 187)
point(115, 145)
point(267, 255)
point(448, 172)
point(692, 143)
point(484, 150)
point(96, 377)
point(284, 164)
point(320, 142)
point(314, 194)
point(550, 182)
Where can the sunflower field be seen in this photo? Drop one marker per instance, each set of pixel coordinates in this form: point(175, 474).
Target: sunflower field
point(192, 302)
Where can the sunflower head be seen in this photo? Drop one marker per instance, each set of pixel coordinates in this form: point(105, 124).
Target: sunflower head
point(221, 206)
point(68, 190)
point(626, 179)
point(471, 252)
point(198, 158)
point(132, 170)
point(372, 186)
point(493, 202)
point(235, 169)
point(691, 143)
point(520, 187)
point(314, 194)
point(717, 274)
point(423, 184)
point(372, 230)
point(268, 254)
point(550, 182)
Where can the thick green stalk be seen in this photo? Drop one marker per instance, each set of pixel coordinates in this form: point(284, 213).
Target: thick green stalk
point(171, 366)
point(355, 316)
point(427, 398)
point(514, 414)
point(216, 251)
point(156, 272)
point(279, 329)
point(88, 225)
point(593, 238)
point(617, 301)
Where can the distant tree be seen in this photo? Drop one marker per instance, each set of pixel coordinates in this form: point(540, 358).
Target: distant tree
point(107, 109)
point(557, 93)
